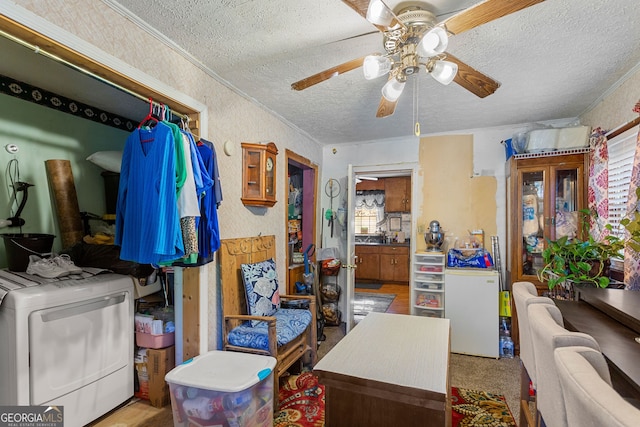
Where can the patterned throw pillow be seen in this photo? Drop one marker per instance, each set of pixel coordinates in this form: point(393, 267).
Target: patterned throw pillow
point(261, 287)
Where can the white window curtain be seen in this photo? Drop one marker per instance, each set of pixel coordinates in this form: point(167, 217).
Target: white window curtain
point(372, 201)
point(598, 197)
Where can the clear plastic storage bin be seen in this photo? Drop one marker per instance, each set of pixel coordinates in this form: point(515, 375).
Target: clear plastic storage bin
point(223, 388)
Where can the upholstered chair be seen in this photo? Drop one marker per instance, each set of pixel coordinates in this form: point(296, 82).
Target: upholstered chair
point(547, 334)
point(524, 295)
point(253, 320)
point(589, 398)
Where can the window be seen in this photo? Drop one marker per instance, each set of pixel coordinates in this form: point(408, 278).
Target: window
point(369, 212)
point(621, 153)
point(366, 220)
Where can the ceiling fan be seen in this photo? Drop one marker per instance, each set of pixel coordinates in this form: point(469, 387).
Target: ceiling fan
point(413, 39)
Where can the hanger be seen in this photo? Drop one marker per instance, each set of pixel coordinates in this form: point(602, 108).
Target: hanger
point(151, 117)
point(184, 125)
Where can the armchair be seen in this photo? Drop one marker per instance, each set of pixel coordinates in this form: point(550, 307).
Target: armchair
point(288, 335)
point(524, 295)
point(588, 394)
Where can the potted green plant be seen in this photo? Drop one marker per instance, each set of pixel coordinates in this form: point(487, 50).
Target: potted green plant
point(584, 261)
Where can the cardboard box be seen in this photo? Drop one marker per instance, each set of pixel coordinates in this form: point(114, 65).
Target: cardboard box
point(159, 362)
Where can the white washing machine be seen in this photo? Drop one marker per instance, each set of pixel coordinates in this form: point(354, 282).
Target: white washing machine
point(69, 343)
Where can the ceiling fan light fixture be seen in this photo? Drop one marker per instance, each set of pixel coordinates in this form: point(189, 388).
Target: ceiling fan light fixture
point(392, 90)
point(375, 66)
point(444, 71)
point(378, 13)
point(433, 43)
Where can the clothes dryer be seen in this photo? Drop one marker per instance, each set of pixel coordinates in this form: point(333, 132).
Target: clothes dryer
point(67, 343)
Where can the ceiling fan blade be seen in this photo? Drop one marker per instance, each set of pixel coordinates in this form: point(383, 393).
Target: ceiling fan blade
point(484, 12)
point(362, 6)
point(473, 80)
point(327, 74)
point(386, 107)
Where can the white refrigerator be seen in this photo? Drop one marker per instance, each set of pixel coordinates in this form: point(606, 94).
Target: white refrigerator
point(471, 298)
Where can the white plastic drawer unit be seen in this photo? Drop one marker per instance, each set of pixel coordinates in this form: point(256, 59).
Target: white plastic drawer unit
point(427, 284)
point(68, 343)
point(425, 258)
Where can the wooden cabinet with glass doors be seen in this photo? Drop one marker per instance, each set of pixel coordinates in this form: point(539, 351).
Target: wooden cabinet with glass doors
point(544, 196)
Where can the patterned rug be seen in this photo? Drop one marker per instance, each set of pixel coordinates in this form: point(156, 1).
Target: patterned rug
point(301, 402)
point(472, 408)
point(366, 302)
point(302, 405)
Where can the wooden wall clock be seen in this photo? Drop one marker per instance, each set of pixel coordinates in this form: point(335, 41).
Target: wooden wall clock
point(259, 174)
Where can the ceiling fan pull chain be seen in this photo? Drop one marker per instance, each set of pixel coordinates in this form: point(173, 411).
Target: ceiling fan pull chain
point(416, 112)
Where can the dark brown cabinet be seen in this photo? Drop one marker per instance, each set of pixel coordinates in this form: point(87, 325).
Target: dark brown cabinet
point(259, 174)
point(382, 263)
point(370, 185)
point(544, 197)
point(394, 263)
point(397, 194)
point(368, 262)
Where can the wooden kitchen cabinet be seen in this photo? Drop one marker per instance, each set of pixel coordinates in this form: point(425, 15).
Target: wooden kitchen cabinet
point(369, 185)
point(394, 263)
point(382, 263)
point(368, 262)
point(397, 194)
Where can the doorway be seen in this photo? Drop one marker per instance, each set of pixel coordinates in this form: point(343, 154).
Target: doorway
point(392, 226)
point(300, 215)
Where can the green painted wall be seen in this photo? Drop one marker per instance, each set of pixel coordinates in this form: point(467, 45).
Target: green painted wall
point(44, 134)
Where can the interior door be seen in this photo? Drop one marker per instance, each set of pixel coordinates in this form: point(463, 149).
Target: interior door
point(350, 264)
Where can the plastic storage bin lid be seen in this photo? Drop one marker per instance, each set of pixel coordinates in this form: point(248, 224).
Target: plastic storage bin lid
point(225, 371)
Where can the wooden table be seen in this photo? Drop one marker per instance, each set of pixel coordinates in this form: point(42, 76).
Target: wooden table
point(390, 370)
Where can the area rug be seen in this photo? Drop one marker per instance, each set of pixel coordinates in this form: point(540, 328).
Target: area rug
point(374, 286)
point(301, 402)
point(366, 302)
point(473, 408)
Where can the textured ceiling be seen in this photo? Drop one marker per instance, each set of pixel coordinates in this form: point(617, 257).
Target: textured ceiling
point(554, 60)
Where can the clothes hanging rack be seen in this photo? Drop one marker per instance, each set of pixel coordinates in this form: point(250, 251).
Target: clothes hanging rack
point(38, 50)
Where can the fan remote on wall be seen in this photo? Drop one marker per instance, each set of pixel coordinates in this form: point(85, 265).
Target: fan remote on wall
point(413, 39)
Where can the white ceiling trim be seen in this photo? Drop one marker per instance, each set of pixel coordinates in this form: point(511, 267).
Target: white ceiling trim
point(612, 89)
